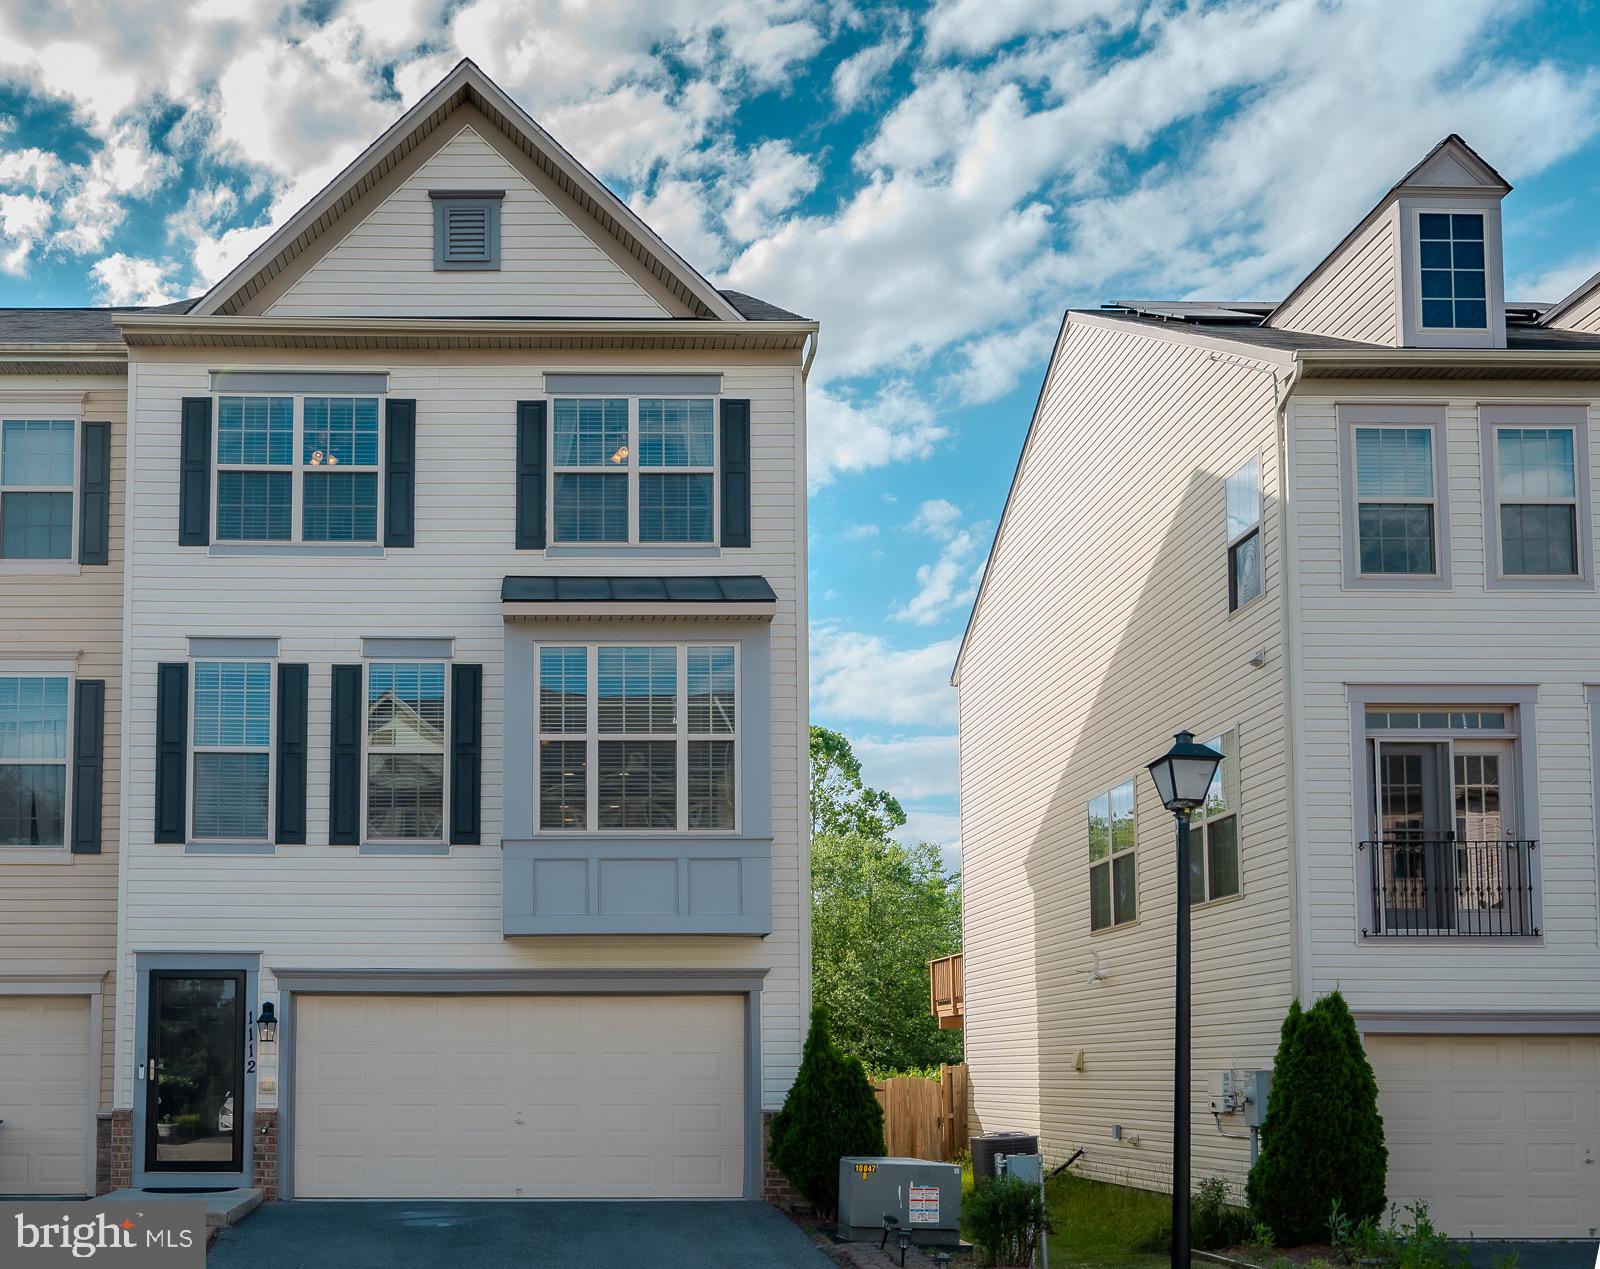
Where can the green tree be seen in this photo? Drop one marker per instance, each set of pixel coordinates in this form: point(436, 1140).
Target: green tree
point(1323, 1137)
point(840, 802)
point(880, 911)
point(830, 1113)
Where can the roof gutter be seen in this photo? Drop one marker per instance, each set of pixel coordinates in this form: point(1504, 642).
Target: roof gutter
point(1420, 361)
point(137, 324)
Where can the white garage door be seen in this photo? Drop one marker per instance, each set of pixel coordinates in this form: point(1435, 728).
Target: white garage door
point(1500, 1135)
point(519, 1097)
point(45, 1094)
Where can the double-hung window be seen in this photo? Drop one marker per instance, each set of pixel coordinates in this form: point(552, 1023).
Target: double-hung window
point(1450, 249)
point(297, 469)
point(1244, 534)
point(37, 462)
point(1113, 871)
point(1395, 500)
point(405, 743)
point(33, 760)
point(232, 751)
point(634, 470)
point(1214, 839)
point(638, 737)
point(1536, 494)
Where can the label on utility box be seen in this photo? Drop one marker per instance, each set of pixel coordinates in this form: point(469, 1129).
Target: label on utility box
point(924, 1204)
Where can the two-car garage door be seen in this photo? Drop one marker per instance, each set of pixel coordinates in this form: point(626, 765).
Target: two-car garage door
point(519, 1097)
point(1500, 1134)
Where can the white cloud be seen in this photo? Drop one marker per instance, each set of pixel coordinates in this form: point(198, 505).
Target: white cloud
point(942, 828)
point(937, 517)
point(857, 80)
point(775, 178)
point(910, 767)
point(32, 168)
point(947, 584)
point(975, 26)
point(857, 676)
point(861, 532)
point(23, 221)
point(850, 436)
point(123, 279)
point(1555, 283)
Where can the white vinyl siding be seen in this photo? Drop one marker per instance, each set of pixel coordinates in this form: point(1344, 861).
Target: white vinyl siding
point(553, 262)
point(38, 484)
point(1357, 296)
point(1095, 644)
point(437, 910)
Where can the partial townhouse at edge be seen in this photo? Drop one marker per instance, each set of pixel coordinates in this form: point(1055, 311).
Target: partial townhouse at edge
point(1350, 539)
point(460, 845)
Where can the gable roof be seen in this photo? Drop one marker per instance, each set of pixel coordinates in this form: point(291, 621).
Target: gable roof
point(1568, 302)
point(1438, 170)
point(466, 84)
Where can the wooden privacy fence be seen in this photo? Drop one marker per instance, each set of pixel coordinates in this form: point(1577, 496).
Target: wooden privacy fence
point(925, 1119)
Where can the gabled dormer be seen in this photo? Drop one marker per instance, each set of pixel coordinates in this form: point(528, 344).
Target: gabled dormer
point(1423, 268)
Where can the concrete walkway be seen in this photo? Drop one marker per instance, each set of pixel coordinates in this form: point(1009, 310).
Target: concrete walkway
point(515, 1235)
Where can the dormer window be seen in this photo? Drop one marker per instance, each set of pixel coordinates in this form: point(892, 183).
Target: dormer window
point(1454, 271)
point(466, 229)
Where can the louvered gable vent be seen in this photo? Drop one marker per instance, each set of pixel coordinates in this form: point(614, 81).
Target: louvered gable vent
point(466, 229)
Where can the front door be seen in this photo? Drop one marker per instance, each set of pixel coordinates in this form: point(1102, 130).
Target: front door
point(1418, 862)
point(194, 1087)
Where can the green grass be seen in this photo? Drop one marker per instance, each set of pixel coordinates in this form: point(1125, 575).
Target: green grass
point(1100, 1226)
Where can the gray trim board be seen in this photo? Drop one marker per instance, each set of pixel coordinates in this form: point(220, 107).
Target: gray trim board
point(1525, 698)
point(249, 963)
point(466, 193)
point(1592, 692)
point(1473, 1022)
point(1535, 414)
point(402, 849)
point(421, 647)
point(292, 983)
point(634, 384)
point(1408, 414)
point(229, 848)
point(261, 649)
point(291, 550)
point(333, 382)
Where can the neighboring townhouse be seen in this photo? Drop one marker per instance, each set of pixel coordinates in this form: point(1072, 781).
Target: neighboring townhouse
point(62, 463)
point(463, 838)
point(1349, 538)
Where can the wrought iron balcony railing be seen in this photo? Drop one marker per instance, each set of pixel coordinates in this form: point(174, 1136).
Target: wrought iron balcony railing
point(1432, 886)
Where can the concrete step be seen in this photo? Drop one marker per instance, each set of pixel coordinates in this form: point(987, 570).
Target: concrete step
point(224, 1207)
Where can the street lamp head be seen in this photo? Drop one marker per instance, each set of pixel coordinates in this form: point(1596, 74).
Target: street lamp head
point(1183, 774)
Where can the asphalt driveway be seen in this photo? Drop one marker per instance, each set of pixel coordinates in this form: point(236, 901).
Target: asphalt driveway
point(527, 1235)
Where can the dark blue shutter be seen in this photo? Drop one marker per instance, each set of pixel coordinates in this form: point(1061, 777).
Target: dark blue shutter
point(88, 761)
point(172, 751)
point(531, 462)
point(466, 753)
point(194, 484)
point(736, 473)
point(293, 699)
point(344, 788)
point(94, 496)
point(400, 473)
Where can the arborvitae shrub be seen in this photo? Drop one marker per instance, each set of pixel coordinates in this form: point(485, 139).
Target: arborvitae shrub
point(1323, 1137)
point(830, 1113)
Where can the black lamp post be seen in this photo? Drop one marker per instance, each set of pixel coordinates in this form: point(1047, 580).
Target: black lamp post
point(1182, 778)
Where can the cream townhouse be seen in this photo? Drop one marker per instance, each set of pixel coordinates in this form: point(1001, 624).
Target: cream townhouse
point(1349, 538)
point(460, 608)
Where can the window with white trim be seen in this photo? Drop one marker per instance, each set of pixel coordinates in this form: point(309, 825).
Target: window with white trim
point(232, 741)
point(1113, 871)
point(641, 737)
point(298, 469)
point(1396, 500)
point(33, 759)
point(1536, 500)
point(1243, 490)
point(1214, 829)
point(633, 470)
point(38, 469)
point(405, 751)
point(1450, 252)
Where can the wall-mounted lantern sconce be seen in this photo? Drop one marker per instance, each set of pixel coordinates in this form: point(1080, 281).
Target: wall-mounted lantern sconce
point(267, 1023)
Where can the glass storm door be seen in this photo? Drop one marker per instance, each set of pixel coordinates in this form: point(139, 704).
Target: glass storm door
point(1414, 836)
point(1490, 869)
point(194, 1114)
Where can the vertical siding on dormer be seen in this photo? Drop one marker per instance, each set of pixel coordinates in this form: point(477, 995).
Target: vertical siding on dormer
point(1104, 627)
point(62, 918)
point(1357, 294)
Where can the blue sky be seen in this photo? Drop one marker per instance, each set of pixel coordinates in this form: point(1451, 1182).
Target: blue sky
point(935, 182)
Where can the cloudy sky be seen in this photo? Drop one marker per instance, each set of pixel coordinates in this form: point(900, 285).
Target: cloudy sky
point(935, 182)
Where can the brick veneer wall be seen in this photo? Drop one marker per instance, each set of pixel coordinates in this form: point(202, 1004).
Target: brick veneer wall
point(775, 1188)
point(114, 1151)
point(264, 1152)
